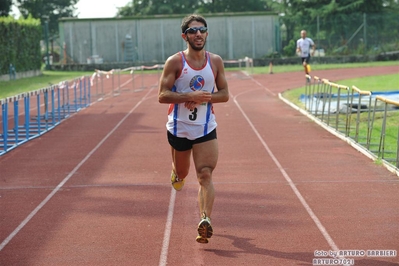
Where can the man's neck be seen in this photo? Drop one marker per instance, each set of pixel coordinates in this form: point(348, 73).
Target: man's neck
point(195, 54)
point(196, 58)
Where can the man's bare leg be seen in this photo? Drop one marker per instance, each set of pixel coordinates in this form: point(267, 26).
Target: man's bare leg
point(205, 157)
point(206, 192)
point(305, 66)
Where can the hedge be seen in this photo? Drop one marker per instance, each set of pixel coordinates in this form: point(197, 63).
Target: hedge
point(20, 44)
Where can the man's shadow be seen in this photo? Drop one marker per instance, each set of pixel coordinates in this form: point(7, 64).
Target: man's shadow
point(301, 258)
point(246, 247)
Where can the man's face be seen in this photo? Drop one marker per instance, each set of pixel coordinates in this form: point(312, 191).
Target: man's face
point(303, 34)
point(196, 40)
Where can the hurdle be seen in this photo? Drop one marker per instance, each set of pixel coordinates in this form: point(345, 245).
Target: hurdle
point(383, 151)
point(143, 68)
point(344, 116)
point(245, 65)
point(98, 76)
point(360, 95)
point(158, 67)
point(31, 114)
point(136, 73)
point(132, 72)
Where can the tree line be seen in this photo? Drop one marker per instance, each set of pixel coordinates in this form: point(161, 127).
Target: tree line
point(291, 12)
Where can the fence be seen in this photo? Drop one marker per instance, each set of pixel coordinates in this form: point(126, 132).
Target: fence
point(344, 34)
point(368, 119)
point(118, 40)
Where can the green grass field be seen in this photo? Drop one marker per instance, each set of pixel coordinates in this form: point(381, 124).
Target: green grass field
point(14, 87)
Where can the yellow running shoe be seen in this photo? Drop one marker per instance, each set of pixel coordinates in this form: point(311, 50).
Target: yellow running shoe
point(176, 182)
point(205, 230)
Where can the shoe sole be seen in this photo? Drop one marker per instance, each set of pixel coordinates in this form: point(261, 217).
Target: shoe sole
point(205, 230)
point(202, 240)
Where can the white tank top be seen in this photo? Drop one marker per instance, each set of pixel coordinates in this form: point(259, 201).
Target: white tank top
point(199, 122)
point(305, 45)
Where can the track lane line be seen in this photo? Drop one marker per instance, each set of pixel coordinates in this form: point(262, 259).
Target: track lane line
point(61, 184)
point(163, 259)
point(309, 210)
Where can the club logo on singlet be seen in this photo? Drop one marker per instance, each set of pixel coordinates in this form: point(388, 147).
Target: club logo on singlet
point(197, 83)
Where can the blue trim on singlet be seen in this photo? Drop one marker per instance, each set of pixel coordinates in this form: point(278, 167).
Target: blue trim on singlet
point(176, 107)
point(209, 105)
point(175, 112)
point(208, 114)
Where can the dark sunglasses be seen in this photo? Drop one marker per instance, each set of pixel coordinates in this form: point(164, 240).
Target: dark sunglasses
point(195, 29)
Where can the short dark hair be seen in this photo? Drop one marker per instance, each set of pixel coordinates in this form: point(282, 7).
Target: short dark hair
point(190, 18)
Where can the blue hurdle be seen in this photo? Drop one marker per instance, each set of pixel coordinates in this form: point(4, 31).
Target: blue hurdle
point(29, 115)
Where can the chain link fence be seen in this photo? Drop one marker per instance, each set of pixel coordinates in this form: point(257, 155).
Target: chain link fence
point(345, 35)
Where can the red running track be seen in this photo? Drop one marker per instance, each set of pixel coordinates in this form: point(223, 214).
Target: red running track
point(95, 190)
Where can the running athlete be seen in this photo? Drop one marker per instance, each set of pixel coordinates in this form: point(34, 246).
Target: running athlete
point(304, 45)
point(191, 82)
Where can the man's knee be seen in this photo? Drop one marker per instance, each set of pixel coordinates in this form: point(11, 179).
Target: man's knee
point(204, 174)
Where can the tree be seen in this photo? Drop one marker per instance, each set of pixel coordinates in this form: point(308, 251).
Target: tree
point(158, 7)
point(5, 7)
point(47, 9)
point(220, 6)
point(339, 18)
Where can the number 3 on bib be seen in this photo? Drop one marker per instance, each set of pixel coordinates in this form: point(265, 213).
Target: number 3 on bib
point(193, 115)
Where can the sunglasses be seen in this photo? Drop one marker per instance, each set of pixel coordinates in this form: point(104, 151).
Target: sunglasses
point(195, 29)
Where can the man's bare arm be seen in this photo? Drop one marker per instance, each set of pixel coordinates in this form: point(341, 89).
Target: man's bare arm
point(222, 93)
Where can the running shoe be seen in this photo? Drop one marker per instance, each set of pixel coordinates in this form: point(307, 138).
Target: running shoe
point(205, 230)
point(176, 182)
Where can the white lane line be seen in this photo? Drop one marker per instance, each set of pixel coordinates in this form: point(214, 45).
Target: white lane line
point(168, 228)
point(312, 215)
point(59, 186)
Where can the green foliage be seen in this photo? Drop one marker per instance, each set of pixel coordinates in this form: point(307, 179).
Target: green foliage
point(50, 10)
point(5, 7)
point(338, 19)
point(290, 49)
point(361, 33)
point(147, 7)
point(217, 6)
point(165, 7)
point(21, 44)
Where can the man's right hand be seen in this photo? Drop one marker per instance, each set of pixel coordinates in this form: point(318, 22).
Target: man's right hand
point(201, 96)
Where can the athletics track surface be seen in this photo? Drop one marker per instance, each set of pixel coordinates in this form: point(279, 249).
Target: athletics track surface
point(95, 190)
